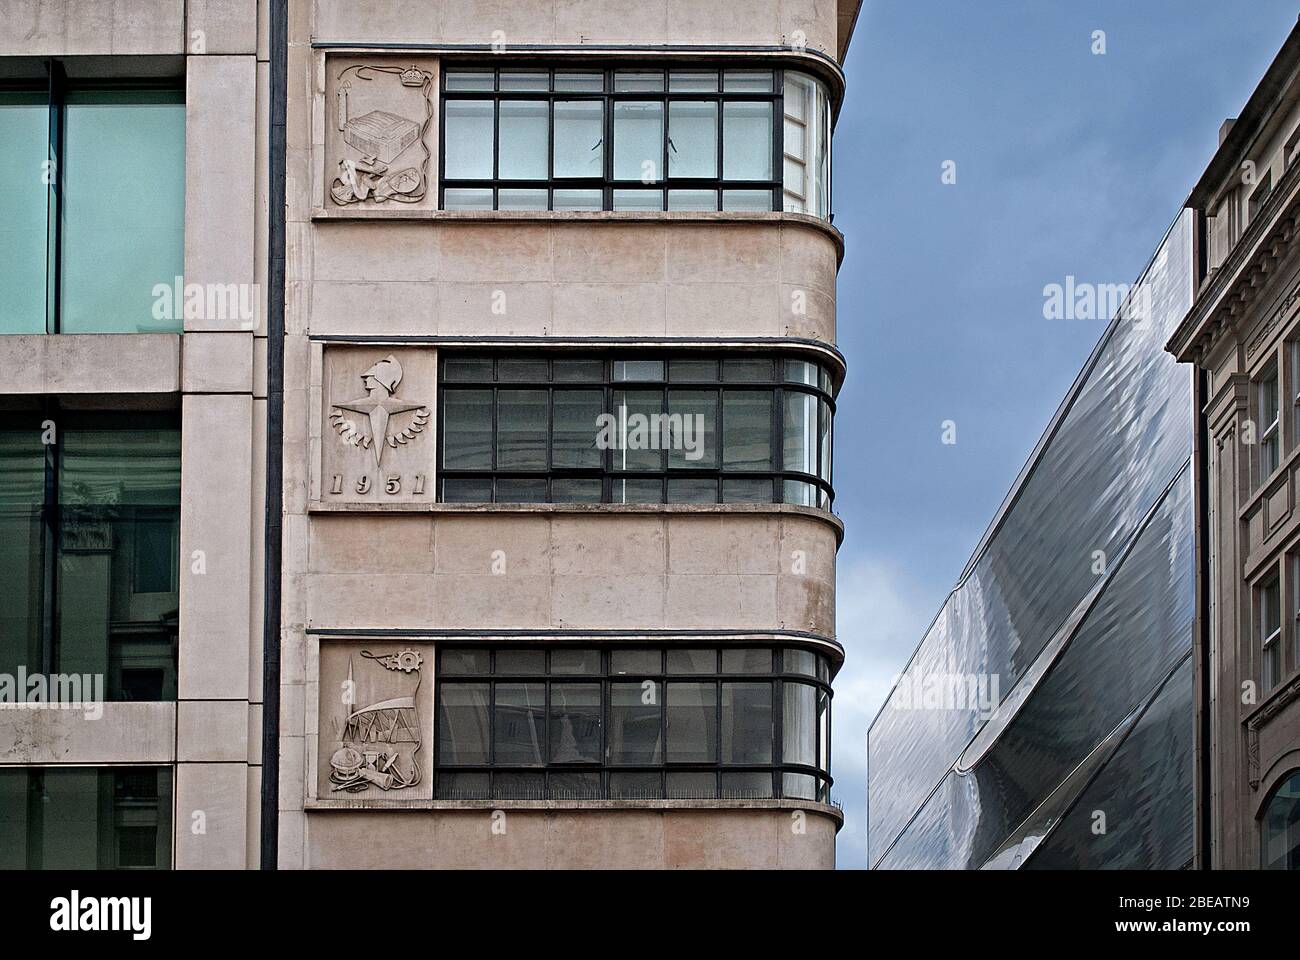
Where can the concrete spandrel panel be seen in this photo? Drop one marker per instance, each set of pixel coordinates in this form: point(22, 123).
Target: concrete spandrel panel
point(380, 137)
point(375, 722)
point(377, 430)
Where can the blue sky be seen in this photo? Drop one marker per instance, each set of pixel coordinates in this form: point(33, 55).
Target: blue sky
point(1067, 163)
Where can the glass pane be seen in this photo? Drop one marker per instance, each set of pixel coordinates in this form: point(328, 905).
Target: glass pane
point(521, 491)
point(467, 491)
point(823, 730)
point(575, 722)
point(467, 368)
point(807, 157)
point(746, 660)
point(465, 198)
point(801, 371)
point(86, 818)
point(747, 491)
point(693, 426)
point(636, 435)
point(747, 430)
point(525, 80)
point(588, 200)
point(635, 662)
point(638, 200)
point(521, 199)
point(637, 491)
point(565, 490)
point(650, 370)
point(579, 138)
point(22, 560)
point(638, 140)
point(747, 371)
point(575, 785)
point(690, 81)
point(635, 723)
point(799, 493)
point(753, 201)
point(519, 727)
point(746, 785)
point(467, 145)
point(803, 662)
point(465, 661)
point(120, 242)
point(627, 81)
point(799, 718)
point(799, 433)
point(799, 786)
point(692, 785)
point(692, 661)
point(747, 81)
point(579, 81)
point(516, 369)
point(693, 722)
point(746, 141)
point(635, 786)
point(584, 662)
point(826, 441)
point(524, 139)
point(521, 429)
point(515, 662)
point(692, 139)
point(747, 723)
point(463, 723)
point(462, 786)
point(24, 151)
point(469, 79)
point(519, 786)
point(1280, 827)
point(467, 429)
point(693, 370)
point(579, 370)
point(577, 424)
point(108, 465)
point(697, 200)
point(690, 490)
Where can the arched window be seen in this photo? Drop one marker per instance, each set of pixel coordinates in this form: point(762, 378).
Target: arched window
point(1280, 827)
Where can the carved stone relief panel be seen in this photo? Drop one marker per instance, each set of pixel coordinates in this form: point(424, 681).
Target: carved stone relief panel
point(380, 133)
point(375, 728)
point(377, 438)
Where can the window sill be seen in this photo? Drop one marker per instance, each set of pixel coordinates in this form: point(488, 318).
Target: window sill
point(321, 214)
point(589, 508)
point(825, 809)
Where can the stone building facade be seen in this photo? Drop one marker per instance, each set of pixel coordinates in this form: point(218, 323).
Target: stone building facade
point(418, 433)
point(132, 359)
point(559, 370)
point(1243, 335)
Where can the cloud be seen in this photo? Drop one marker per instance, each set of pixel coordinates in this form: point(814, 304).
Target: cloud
point(883, 612)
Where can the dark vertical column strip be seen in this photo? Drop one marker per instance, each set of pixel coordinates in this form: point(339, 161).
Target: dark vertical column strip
point(279, 50)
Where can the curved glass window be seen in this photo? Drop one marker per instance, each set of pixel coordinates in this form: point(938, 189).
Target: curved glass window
point(632, 723)
point(648, 138)
point(649, 429)
point(1280, 827)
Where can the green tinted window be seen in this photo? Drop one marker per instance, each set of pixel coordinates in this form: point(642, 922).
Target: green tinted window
point(24, 152)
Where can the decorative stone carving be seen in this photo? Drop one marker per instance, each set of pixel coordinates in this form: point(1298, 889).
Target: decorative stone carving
point(375, 724)
point(377, 137)
point(377, 444)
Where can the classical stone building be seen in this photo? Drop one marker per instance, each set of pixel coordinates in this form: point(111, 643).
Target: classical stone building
point(559, 372)
point(1243, 335)
point(417, 447)
point(133, 139)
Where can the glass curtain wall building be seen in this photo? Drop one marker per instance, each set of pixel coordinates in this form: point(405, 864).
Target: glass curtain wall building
point(1046, 718)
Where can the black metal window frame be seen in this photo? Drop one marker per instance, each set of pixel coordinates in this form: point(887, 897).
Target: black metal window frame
point(606, 473)
point(778, 676)
point(608, 97)
point(54, 90)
